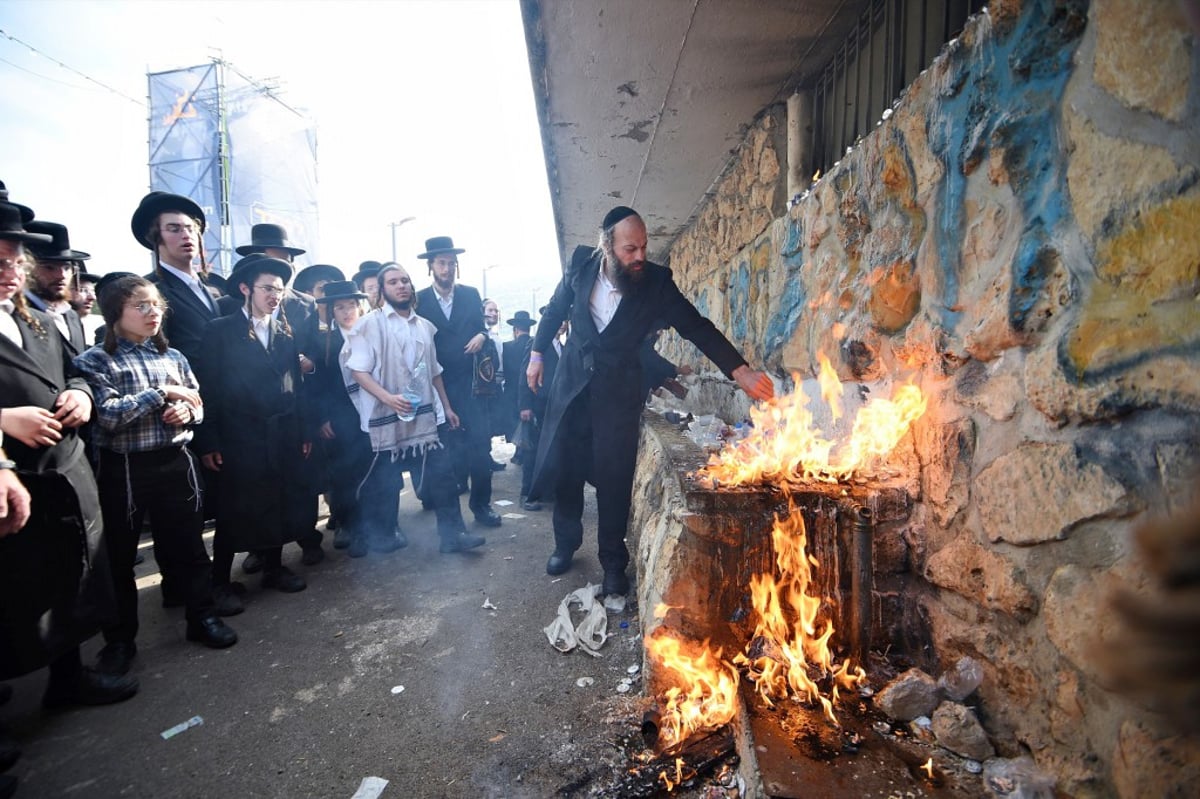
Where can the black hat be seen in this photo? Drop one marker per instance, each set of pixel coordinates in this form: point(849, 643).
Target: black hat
point(438, 245)
point(218, 282)
point(84, 276)
point(616, 215)
point(12, 225)
point(26, 211)
point(158, 202)
point(341, 290)
point(522, 320)
point(268, 235)
point(59, 248)
point(256, 264)
point(365, 270)
point(309, 276)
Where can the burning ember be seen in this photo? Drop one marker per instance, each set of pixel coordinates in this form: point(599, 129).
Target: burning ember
point(786, 445)
point(704, 690)
point(790, 652)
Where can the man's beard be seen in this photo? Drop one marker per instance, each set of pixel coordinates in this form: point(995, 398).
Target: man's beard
point(628, 281)
point(446, 283)
point(399, 305)
point(52, 293)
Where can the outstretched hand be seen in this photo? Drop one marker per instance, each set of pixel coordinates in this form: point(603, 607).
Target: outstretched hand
point(756, 384)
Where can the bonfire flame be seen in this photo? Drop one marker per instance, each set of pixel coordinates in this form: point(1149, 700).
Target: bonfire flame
point(704, 690)
point(785, 445)
point(792, 640)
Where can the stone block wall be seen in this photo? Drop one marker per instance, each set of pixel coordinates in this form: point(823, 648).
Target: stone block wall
point(1021, 236)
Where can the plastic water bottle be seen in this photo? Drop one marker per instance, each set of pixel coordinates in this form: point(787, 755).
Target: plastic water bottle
point(412, 391)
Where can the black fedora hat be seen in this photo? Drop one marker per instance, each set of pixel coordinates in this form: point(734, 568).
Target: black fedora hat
point(309, 276)
point(341, 290)
point(257, 264)
point(158, 202)
point(438, 245)
point(12, 225)
point(521, 319)
point(365, 270)
point(266, 235)
point(84, 276)
point(59, 248)
point(26, 211)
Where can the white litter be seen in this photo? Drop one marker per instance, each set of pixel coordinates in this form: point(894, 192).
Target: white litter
point(194, 721)
point(370, 788)
point(590, 634)
point(487, 605)
point(504, 503)
point(584, 682)
point(512, 515)
point(397, 689)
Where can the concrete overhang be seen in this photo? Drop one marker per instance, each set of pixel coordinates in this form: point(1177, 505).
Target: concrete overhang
point(643, 102)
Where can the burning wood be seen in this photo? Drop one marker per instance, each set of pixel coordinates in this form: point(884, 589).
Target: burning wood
point(787, 445)
point(703, 696)
point(679, 765)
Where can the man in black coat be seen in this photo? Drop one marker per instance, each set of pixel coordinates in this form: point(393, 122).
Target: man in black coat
point(531, 409)
point(512, 355)
point(258, 427)
point(457, 313)
point(612, 297)
point(50, 282)
point(55, 587)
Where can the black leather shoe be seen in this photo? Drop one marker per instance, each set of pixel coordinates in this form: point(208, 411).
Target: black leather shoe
point(358, 547)
point(90, 688)
point(212, 632)
point(487, 517)
point(342, 538)
point(531, 505)
point(332, 523)
point(559, 562)
point(461, 543)
point(283, 579)
point(312, 555)
point(252, 563)
point(226, 601)
point(615, 583)
point(116, 657)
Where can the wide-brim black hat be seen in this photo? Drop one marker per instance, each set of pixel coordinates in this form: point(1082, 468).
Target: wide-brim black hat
point(266, 235)
point(59, 248)
point(341, 290)
point(309, 276)
point(84, 276)
point(12, 226)
point(257, 264)
point(158, 202)
point(521, 319)
point(439, 245)
point(26, 211)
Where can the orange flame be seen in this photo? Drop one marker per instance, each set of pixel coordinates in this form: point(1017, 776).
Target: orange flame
point(789, 628)
point(928, 768)
point(785, 445)
point(704, 693)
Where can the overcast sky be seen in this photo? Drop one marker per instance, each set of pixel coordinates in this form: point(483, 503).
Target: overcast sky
point(423, 109)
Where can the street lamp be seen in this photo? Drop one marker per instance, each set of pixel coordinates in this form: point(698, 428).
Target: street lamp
point(395, 225)
point(485, 271)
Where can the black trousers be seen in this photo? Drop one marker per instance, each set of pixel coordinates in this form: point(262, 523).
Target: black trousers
point(166, 484)
point(470, 446)
point(380, 491)
point(609, 469)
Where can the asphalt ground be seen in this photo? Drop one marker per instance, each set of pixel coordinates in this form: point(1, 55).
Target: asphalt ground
point(426, 670)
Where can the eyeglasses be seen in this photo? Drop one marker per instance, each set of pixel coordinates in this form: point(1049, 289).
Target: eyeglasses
point(12, 263)
point(273, 291)
point(176, 228)
point(146, 308)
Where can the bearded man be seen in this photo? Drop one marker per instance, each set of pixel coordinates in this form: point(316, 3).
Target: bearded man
point(613, 297)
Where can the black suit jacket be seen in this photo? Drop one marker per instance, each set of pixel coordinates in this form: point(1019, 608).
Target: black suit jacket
point(187, 314)
point(514, 356)
point(465, 322)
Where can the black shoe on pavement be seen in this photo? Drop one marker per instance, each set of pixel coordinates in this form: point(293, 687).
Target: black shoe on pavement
point(252, 563)
point(312, 555)
point(615, 583)
point(531, 505)
point(283, 579)
point(212, 632)
point(358, 547)
point(461, 543)
point(226, 601)
point(487, 517)
point(342, 538)
point(89, 688)
point(499, 467)
point(116, 658)
point(559, 563)
point(332, 523)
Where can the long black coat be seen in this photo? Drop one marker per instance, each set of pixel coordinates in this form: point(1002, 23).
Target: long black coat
point(257, 416)
point(187, 315)
point(515, 353)
point(55, 586)
point(607, 364)
point(465, 322)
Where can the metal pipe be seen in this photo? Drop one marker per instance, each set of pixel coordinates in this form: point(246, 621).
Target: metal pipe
point(861, 581)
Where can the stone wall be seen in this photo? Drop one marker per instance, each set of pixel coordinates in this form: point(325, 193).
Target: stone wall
point(1021, 235)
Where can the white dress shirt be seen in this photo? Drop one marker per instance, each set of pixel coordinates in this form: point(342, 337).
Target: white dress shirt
point(605, 300)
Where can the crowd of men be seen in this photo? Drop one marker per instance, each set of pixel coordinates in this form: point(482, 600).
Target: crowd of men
point(241, 401)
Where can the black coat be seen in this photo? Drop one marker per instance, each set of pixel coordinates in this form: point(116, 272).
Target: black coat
point(55, 587)
point(187, 315)
point(300, 310)
point(257, 415)
point(607, 364)
point(465, 322)
point(526, 399)
point(514, 358)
